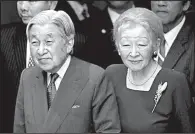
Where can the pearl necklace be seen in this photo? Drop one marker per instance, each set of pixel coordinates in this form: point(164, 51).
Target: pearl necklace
point(145, 81)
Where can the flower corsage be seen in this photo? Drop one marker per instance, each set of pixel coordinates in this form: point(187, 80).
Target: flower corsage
point(161, 89)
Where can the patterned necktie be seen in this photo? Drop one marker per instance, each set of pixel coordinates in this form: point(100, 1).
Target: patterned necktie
point(162, 53)
point(31, 62)
point(52, 88)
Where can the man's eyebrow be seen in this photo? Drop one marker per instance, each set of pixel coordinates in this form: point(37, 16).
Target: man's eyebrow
point(34, 35)
point(50, 35)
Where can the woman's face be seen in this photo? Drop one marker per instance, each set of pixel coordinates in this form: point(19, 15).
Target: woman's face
point(135, 46)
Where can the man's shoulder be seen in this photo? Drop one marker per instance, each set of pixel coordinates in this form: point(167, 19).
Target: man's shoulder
point(92, 69)
point(187, 34)
point(188, 27)
point(30, 72)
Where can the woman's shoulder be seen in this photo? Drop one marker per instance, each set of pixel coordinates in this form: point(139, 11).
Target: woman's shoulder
point(115, 69)
point(116, 72)
point(174, 78)
point(172, 74)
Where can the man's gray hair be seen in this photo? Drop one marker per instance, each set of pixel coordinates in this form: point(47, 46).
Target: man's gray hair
point(59, 18)
point(149, 20)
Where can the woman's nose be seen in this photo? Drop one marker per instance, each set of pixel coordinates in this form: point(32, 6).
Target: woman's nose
point(133, 51)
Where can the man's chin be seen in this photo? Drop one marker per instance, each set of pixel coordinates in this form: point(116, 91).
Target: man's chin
point(25, 21)
point(46, 68)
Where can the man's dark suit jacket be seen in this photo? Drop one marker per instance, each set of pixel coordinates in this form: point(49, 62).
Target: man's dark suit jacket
point(181, 56)
point(82, 102)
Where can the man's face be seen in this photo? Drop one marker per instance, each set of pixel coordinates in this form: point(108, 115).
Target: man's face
point(49, 48)
point(28, 9)
point(168, 11)
point(118, 4)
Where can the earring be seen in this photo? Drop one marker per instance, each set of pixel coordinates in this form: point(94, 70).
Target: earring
point(155, 54)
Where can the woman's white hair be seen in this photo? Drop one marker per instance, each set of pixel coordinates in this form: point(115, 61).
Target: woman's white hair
point(149, 20)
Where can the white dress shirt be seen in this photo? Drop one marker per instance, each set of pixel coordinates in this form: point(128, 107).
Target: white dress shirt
point(113, 15)
point(27, 54)
point(61, 72)
point(170, 37)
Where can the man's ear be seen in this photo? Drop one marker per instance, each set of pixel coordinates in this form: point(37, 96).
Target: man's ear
point(53, 4)
point(70, 45)
point(186, 5)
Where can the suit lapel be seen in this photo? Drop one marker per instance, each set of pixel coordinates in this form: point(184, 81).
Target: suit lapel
point(69, 90)
point(40, 107)
point(178, 48)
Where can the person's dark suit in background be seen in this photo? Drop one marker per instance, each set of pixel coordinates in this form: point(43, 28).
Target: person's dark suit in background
point(81, 103)
point(13, 51)
point(181, 55)
point(99, 48)
point(79, 12)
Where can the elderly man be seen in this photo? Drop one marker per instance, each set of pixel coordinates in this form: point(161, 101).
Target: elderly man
point(13, 54)
point(62, 94)
point(178, 51)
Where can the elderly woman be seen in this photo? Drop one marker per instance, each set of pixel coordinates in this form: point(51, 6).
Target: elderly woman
point(150, 98)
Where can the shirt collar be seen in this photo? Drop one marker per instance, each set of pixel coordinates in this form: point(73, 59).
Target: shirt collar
point(113, 15)
point(61, 72)
point(172, 34)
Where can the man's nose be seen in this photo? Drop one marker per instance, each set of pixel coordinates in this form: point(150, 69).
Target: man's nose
point(162, 3)
point(41, 50)
point(24, 5)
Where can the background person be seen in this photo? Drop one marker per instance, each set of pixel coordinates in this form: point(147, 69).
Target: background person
point(99, 48)
point(178, 51)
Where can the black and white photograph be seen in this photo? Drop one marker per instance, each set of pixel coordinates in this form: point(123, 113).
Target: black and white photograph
point(87, 66)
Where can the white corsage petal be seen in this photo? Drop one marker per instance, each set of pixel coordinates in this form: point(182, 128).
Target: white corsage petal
point(161, 89)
